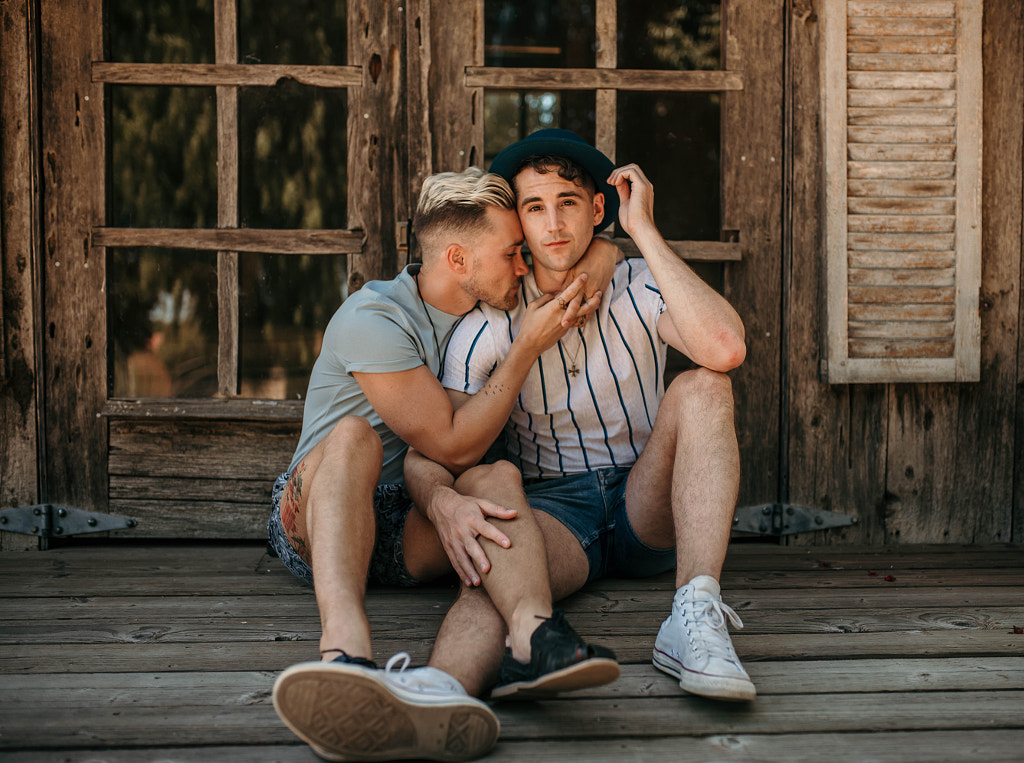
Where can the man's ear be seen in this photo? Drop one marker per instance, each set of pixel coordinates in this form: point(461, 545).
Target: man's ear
point(455, 256)
point(598, 208)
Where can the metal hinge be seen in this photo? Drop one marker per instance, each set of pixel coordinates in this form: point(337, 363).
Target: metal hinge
point(46, 520)
point(787, 519)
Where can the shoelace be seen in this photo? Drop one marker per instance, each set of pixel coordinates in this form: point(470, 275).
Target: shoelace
point(422, 679)
point(709, 616)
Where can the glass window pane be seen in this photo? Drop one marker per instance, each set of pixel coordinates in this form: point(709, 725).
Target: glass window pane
point(296, 32)
point(675, 138)
point(285, 302)
point(292, 156)
point(163, 157)
point(510, 115)
point(670, 34)
point(162, 318)
point(539, 33)
point(170, 31)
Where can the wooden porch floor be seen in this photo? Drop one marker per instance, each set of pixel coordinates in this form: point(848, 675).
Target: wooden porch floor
point(169, 652)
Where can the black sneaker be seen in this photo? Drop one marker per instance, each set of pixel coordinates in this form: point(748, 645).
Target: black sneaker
point(559, 661)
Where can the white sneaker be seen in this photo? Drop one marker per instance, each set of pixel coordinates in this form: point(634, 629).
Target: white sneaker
point(346, 711)
point(694, 645)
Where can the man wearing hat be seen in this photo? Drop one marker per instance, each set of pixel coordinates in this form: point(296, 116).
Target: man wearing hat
point(624, 476)
point(341, 514)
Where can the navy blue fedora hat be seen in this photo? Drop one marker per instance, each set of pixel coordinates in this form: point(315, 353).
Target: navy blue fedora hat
point(555, 142)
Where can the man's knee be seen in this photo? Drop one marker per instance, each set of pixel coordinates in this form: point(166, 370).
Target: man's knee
point(701, 388)
point(487, 479)
point(353, 437)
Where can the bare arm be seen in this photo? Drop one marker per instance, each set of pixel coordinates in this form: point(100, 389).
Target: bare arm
point(458, 519)
point(416, 407)
point(698, 321)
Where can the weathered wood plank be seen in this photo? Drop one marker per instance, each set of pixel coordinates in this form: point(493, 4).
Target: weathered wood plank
point(897, 9)
point(234, 239)
point(212, 408)
point(901, 330)
point(936, 99)
point(752, 183)
point(702, 251)
point(902, 134)
point(74, 269)
point(901, 116)
point(637, 681)
point(882, 746)
point(907, 45)
point(901, 348)
point(255, 722)
point(901, 80)
point(931, 277)
point(393, 626)
point(907, 27)
point(514, 78)
point(902, 312)
point(902, 205)
point(19, 253)
point(901, 241)
point(225, 74)
point(900, 62)
point(376, 111)
point(875, 187)
point(901, 170)
point(901, 223)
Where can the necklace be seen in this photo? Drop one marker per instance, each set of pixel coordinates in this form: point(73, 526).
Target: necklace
point(573, 369)
point(433, 328)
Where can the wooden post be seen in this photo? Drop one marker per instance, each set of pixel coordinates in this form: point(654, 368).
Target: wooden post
point(19, 434)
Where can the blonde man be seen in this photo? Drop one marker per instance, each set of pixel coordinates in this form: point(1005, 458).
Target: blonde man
point(341, 514)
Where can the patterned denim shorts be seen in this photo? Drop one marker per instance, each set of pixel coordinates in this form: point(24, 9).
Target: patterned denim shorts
point(387, 564)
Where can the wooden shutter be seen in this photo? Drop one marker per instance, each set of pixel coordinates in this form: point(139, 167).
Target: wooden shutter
point(902, 128)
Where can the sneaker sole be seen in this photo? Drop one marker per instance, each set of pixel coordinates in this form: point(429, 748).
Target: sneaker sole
point(716, 687)
point(581, 675)
point(345, 712)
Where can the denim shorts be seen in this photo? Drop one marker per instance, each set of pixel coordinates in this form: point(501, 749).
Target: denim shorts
point(391, 505)
point(593, 506)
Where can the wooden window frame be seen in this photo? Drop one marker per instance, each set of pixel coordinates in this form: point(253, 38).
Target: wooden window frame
point(227, 239)
point(606, 80)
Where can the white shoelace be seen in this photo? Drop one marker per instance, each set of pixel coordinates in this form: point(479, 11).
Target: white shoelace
point(419, 679)
point(708, 616)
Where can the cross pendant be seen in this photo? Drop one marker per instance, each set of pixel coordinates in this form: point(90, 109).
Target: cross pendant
point(573, 371)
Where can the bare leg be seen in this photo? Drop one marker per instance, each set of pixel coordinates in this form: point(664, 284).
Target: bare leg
point(518, 587)
point(684, 487)
point(335, 528)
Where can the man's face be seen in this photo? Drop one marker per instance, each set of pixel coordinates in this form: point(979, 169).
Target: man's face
point(494, 261)
point(558, 218)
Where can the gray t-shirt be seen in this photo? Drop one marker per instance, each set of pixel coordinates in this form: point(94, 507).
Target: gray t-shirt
point(383, 328)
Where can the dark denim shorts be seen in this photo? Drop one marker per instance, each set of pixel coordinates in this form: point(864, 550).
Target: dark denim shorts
point(593, 506)
point(387, 564)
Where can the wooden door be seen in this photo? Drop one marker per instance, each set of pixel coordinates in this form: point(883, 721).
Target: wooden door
point(218, 176)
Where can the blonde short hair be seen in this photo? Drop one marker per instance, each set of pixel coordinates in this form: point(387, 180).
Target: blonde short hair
point(456, 203)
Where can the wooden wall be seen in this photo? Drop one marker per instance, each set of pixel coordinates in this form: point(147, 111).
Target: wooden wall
point(915, 462)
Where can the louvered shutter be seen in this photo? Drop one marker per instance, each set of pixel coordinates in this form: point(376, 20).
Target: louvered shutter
point(902, 127)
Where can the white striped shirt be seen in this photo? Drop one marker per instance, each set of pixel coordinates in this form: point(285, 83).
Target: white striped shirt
point(564, 424)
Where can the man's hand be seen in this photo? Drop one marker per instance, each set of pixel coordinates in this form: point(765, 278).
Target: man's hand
point(598, 262)
point(459, 521)
point(547, 318)
point(636, 198)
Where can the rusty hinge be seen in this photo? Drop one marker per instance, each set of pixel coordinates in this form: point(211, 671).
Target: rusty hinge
point(787, 519)
point(45, 520)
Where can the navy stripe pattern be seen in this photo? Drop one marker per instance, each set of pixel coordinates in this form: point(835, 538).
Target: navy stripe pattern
point(565, 423)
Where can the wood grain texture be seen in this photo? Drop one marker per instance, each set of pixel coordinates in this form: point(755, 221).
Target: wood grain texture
point(75, 334)
point(752, 183)
point(175, 656)
point(19, 179)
